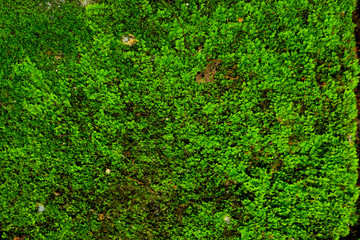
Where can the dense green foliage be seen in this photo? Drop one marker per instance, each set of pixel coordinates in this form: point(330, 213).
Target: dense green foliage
point(124, 141)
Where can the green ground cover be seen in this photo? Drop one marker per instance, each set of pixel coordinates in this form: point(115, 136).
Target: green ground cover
point(213, 122)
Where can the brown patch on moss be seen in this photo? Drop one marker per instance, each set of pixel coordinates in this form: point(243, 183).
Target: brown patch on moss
point(209, 72)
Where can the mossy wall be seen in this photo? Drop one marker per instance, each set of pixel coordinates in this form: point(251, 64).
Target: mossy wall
point(226, 120)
